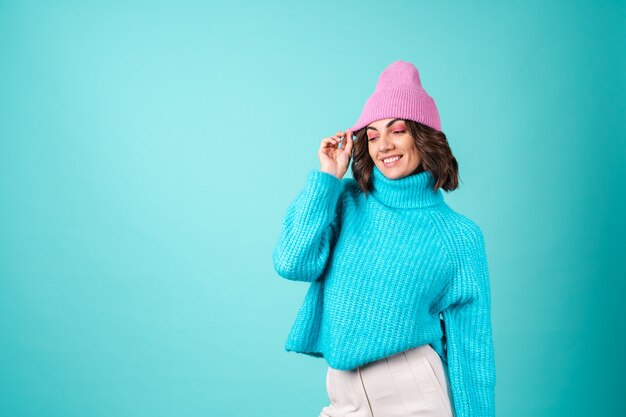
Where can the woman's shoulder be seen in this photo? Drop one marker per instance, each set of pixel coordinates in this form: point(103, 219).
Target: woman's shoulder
point(459, 225)
point(350, 189)
point(339, 191)
point(349, 185)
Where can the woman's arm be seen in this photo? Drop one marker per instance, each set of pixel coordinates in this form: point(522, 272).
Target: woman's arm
point(467, 321)
point(308, 229)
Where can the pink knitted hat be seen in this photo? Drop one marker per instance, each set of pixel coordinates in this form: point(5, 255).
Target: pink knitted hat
point(399, 93)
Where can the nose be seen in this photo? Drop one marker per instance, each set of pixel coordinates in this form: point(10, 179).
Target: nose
point(384, 144)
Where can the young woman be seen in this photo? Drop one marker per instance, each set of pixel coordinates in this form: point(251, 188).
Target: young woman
point(399, 297)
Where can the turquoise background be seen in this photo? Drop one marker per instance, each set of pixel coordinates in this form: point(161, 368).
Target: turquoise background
point(149, 150)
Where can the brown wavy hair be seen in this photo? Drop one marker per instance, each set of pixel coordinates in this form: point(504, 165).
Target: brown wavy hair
point(432, 145)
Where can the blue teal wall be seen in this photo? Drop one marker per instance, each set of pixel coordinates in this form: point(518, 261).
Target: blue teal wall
point(148, 152)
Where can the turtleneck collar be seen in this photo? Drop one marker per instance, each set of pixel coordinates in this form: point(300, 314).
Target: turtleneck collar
point(412, 191)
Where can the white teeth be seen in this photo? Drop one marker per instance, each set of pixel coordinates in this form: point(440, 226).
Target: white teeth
point(388, 160)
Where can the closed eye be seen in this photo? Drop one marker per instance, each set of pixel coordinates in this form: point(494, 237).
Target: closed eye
point(397, 131)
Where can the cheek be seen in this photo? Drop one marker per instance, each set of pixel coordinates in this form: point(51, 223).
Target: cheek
point(412, 149)
point(371, 150)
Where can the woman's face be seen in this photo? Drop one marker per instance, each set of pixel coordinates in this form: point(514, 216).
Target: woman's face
point(389, 139)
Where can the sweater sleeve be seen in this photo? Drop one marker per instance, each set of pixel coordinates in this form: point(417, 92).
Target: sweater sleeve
point(469, 341)
point(308, 228)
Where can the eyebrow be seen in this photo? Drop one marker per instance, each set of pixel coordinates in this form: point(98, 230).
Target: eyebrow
point(387, 125)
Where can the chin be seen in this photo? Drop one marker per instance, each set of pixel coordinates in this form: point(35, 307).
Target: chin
point(394, 172)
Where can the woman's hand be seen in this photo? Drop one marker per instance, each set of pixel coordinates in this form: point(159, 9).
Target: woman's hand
point(335, 160)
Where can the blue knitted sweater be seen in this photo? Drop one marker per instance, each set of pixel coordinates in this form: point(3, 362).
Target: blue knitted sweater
point(389, 272)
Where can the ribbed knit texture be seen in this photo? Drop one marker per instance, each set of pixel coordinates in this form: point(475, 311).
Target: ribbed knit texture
point(399, 94)
point(381, 270)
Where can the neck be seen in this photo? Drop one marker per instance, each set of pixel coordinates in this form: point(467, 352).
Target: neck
point(413, 191)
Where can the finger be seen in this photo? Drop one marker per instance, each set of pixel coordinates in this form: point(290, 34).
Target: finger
point(328, 143)
point(349, 142)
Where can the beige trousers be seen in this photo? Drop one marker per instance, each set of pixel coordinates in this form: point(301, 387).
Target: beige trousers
point(408, 384)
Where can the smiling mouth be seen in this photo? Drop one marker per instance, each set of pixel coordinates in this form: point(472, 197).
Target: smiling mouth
point(391, 161)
